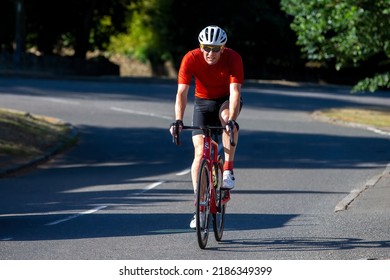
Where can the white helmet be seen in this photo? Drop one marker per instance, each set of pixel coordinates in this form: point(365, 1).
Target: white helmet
point(212, 35)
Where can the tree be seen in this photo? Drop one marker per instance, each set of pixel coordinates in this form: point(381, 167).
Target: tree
point(7, 25)
point(258, 30)
point(147, 36)
point(79, 25)
point(156, 31)
point(345, 33)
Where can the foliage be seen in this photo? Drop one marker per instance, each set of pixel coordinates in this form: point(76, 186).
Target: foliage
point(157, 30)
point(147, 34)
point(263, 38)
point(83, 26)
point(346, 33)
point(340, 33)
point(372, 84)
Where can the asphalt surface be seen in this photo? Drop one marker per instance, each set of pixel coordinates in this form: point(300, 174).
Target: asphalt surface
point(328, 167)
point(373, 196)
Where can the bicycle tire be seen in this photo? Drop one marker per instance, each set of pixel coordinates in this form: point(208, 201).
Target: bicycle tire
point(202, 204)
point(219, 217)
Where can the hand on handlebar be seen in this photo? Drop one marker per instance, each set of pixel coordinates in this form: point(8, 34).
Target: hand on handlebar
point(175, 130)
point(231, 124)
point(232, 127)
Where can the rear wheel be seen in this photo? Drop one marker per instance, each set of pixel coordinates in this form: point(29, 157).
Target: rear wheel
point(219, 217)
point(202, 204)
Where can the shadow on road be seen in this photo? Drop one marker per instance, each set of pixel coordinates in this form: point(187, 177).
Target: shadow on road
point(117, 225)
point(294, 244)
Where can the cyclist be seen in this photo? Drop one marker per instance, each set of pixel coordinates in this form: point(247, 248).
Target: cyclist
point(219, 74)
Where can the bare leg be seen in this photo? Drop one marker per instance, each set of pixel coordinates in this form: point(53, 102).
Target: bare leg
point(197, 140)
point(228, 149)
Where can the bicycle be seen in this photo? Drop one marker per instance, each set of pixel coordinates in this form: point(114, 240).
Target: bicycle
point(209, 199)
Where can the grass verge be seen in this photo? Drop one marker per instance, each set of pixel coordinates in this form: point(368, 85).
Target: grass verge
point(24, 137)
point(378, 118)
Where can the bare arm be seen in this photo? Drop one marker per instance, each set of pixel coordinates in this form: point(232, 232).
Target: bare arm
point(181, 101)
point(180, 105)
point(234, 101)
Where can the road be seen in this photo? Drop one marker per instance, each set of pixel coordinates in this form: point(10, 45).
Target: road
point(124, 191)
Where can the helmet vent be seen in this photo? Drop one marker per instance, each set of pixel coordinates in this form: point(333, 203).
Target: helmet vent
point(212, 35)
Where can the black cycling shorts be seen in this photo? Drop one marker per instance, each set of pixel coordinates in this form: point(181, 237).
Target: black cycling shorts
point(206, 112)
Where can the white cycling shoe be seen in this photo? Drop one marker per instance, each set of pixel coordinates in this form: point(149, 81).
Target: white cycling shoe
point(228, 180)
point(193, 221)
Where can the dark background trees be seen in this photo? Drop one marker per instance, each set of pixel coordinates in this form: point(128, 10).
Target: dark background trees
point(259, 30)
point(277, 39)
point(345, 34)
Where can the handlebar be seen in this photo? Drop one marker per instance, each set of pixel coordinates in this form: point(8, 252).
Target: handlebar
point(231, 129)
point(176, 134)
point(176, 129)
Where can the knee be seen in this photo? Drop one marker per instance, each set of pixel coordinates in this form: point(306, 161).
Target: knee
point(198, 147)
point(224, 117)
point(198, 153)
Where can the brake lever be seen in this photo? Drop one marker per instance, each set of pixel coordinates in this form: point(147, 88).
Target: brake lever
point(231, 128)
point(175, 136)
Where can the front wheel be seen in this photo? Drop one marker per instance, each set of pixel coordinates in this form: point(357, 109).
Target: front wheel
point(219, 216)
point(202, 204)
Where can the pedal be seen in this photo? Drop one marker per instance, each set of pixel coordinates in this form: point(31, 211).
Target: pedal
point(225, 194)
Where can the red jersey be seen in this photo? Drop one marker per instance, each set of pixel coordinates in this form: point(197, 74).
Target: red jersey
point(211, 81)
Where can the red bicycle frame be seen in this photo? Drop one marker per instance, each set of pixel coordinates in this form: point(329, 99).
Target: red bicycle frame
point(215, 201)
point(210, 153)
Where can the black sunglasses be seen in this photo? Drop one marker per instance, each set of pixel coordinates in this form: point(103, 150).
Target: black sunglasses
point(215, 49)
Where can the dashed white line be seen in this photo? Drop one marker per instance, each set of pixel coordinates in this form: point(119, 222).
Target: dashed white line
point(141, 113)
point(76, 215)
point(145, 189)
point(184, 172)
point(6, 239)
point(62, 101)
point(149, 187)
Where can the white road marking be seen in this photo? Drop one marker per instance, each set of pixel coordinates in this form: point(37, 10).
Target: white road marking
point(141, 113)
point(76, 215)
point(149, 187)
point(344, 203)
point(6, 239)
point(102, 164)
point(184, 172)
point(379, 131)
point(145, 189)
point(62, 101)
